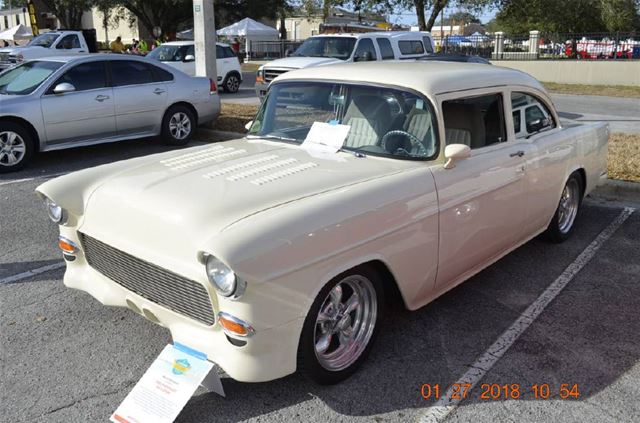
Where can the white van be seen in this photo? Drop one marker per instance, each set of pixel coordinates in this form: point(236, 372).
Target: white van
point(338, 48)
point(181, 55)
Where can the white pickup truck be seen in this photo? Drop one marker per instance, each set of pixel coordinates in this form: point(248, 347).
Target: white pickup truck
point(54, 43)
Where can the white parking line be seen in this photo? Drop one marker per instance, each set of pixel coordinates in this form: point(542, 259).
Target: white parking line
point(446, 404)
point(33, 272)
point(15, 181)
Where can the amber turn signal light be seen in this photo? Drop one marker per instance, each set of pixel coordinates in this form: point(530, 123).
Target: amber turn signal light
point(233, 326)
point(67, 246)
point(259, 79)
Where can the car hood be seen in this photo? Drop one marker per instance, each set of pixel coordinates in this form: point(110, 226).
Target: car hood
point(23, 49)
point(302, 62)
point(200, 192)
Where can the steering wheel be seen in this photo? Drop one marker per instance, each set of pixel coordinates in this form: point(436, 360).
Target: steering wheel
point(417, 148)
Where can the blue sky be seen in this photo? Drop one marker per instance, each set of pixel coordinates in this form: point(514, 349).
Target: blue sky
point(408, 17)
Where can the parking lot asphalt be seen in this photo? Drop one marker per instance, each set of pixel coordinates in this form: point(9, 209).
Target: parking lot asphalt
point(65, 357)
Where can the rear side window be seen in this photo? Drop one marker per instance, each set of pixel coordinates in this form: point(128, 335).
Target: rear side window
point(385, 48)
point(161, 75)
point(228, 52)
point(124, 72)
point(86, 76)
point(411, 47)
point(474, 121)
point(427, 44)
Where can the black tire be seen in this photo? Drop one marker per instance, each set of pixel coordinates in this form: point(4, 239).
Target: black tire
point(561, 226)
point(173, 135)
point(231, 83)
point(308, 362)
point(17, 147)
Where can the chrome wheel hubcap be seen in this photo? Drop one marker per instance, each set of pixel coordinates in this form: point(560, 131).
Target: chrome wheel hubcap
point(568, 208)
point(180, 126)
point(345, 323)
point(12, 148)
point(233, 84)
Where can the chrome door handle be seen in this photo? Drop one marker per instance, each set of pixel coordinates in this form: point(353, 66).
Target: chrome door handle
point(102, 98)
point(517, 153)
point(158, 91)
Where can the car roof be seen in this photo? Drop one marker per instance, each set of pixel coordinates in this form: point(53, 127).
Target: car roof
point(386, 34)
point(428, 77)
point(188, 43)
point(90, 57)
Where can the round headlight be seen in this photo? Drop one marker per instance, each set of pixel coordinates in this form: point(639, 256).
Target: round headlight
point(55, 211)
point(221, 277)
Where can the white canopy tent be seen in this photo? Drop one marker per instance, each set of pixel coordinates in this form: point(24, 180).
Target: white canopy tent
point(250, 30)
point(18, 32)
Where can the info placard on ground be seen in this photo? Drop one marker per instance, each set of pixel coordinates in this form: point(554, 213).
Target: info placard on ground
point(165, 387)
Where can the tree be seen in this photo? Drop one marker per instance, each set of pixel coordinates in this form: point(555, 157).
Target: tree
point(462, 17)
point(437, 6)
point(69, 12)
point(620, 15)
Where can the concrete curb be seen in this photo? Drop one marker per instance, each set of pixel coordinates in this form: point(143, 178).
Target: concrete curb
point(618, 190)
point(220, 135)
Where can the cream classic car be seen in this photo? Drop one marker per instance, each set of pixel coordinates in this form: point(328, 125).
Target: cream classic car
point(356, 184)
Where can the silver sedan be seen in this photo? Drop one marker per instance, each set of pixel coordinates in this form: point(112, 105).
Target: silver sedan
point(64, 102)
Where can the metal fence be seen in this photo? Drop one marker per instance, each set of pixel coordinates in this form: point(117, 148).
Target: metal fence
point(267, 50)
point(541, 46)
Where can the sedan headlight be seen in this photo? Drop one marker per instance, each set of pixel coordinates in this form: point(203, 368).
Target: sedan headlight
point(221, 276)
point(55, 212)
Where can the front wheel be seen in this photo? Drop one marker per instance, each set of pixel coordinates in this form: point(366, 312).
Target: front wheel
point(341, 326)
point(562, 222)
point(16, 147)
point(178, 125)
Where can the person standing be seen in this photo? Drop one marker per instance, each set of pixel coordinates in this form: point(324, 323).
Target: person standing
point(117, 46)
point(143, 47)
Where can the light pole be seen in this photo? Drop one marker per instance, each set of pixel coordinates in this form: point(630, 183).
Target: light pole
point(204, 37)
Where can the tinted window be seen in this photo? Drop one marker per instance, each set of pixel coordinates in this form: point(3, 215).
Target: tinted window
point(385, 48)
point(411, 47)
point(228, 52)
point(219, 52)
point(427, 44)
point(475, 121)
point(365, 45)
point(69, 42)
point(87, 76)
point(161, 75)
point(130, 73)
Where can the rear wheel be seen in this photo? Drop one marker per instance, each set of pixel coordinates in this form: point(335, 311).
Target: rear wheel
point(178, 125)
point(231, 83)
point(17, 147)
point(341, 326)
point(562, 222)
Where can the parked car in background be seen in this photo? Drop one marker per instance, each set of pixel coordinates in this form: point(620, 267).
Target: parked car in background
point(181, 55)
point(460, 58)
point(330, 49)
point(64, 102)
point(357, 185)
point(54, 43)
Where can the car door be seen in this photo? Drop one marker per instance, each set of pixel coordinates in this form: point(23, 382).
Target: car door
point(70, 44)
point(140, 99)
point(186, 66)
point(85, 114)
point(365, 50)
point(223, 63)
point(482, 201)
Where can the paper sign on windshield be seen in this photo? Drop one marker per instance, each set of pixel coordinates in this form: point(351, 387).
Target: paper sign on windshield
point(164, 389)
point(325, 137)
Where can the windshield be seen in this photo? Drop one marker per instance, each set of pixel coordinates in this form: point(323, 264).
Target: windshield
point(335, 47)
point(44, 40)
point(170, 53)
point(382, 121)
point(25, 78)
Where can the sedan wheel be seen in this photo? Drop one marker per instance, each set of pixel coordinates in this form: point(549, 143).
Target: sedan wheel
point(232, 84)
point(562, 222)
point(16, 147)
point(178, 125)
point(341, 326)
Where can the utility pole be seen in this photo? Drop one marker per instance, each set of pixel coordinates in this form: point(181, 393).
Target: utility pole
point(204, 37)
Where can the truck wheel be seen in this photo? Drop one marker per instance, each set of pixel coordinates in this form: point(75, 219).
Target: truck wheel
point(231, 83)
point(341, 326)
point(561, 224)
point(17, 147)
point(178, 125)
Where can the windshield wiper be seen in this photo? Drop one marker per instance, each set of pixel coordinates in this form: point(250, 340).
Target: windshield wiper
point(271, 137)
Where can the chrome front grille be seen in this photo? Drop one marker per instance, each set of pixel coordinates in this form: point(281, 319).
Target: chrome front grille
point(271, 74)
point(152, 282)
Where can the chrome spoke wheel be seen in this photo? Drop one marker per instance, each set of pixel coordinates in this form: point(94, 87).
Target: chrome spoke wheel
point(345, 323)
point(568, 207)
point(180, 126)
point(12, 148)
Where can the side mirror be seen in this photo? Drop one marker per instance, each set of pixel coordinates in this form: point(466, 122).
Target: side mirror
point(63, 88)
point(537, 125)
point(454, 153)
point(189, 58)
point(248, 125)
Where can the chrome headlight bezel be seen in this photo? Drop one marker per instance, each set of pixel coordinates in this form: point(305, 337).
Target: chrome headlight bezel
point(221, 277)
point(55, 212)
